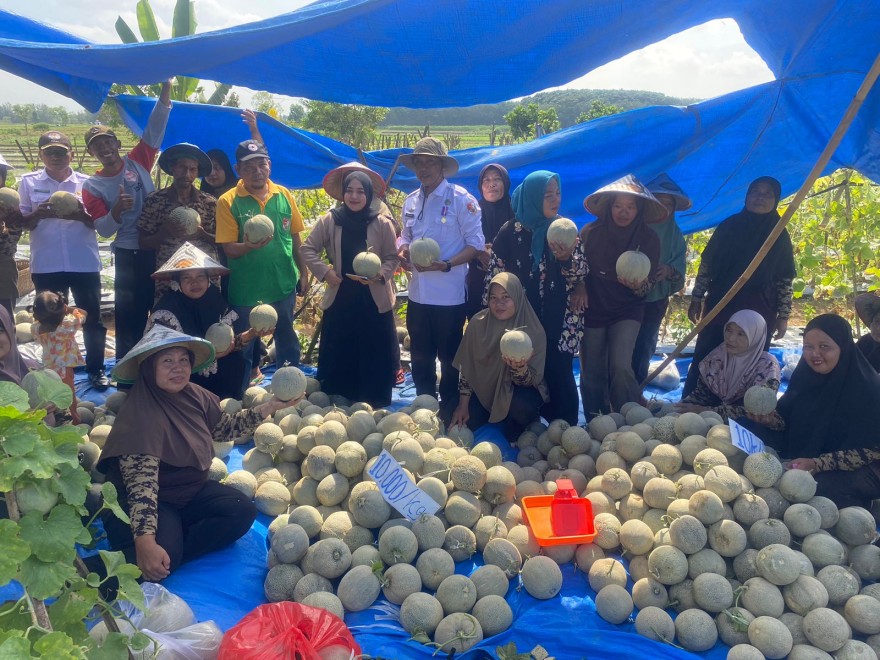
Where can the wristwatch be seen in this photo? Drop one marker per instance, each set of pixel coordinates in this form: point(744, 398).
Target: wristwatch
point(448, 266)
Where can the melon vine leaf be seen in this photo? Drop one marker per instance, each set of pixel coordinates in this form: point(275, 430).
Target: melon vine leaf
point(56, 645)
point(15, 646)
point(11, 395)
point(111, 501)
point(73, 485)
point(19, 439)
point(54, 538)
point(44, 579)
point(13, 550)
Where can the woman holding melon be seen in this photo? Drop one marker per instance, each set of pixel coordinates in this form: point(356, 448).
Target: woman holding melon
point(733, 245)
point(739, 363)
point(830, 415)
point(501, 362)
point(552, 274)
point(622, 252)
point(357, 353)
point(193, 304)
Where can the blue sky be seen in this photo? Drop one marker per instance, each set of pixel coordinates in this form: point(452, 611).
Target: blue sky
point(705, 61)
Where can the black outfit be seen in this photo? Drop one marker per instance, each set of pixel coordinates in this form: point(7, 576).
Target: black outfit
point(525, 408)
point(363, 370)
point(435, 330)
point(215, 517)
point(646, 341)
point(86, 288)
point(512, 247)
point(195, 317)
point(870, 349)
point(134, 289)
point(731, 248)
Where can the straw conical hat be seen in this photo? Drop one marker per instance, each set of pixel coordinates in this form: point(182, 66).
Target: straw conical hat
point(601, 200)
point(662, 184)
point(189, 257)
point(159, 337)
point(332, 183)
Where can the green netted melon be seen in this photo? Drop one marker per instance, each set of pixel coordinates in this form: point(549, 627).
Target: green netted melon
point(288, 383)
point(760, 400)
point(516, 345)
point(633, 266)
point(258, 228)
point(185, 220)
point(366, 264)
point(63, 203)
point(562, 231)
point(9, 201)
point(263, 317)
point(424, 251)
point(221, 336)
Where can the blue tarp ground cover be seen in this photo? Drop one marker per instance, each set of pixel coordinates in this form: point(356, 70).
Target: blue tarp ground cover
point(479, 52)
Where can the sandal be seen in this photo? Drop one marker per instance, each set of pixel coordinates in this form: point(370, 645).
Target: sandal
point(400, 378)
point(256, 380)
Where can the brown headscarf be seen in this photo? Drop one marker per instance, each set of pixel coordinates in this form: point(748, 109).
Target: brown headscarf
point(12, 366)
point(176, 428)
point(479, 355)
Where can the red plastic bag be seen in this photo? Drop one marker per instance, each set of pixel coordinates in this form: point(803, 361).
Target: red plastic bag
point(287, 630)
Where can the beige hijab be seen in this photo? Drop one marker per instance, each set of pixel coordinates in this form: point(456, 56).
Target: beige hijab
point(479, 355)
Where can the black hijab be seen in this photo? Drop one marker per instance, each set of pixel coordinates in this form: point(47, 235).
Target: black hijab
point(604, 241)
point(195, 316)
point(358, 220)
point(495, 214)
point(737, 240)
point(231, 177)
point(13, 365)
point(833, 411)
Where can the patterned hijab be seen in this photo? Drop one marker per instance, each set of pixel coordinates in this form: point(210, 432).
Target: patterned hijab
point(12, 366)
point(479, 355)
point(729, 376)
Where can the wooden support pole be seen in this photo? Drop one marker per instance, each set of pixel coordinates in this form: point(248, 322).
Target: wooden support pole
point(821, 163)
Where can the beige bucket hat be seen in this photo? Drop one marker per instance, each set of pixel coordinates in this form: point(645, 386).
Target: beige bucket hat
point(431, 146)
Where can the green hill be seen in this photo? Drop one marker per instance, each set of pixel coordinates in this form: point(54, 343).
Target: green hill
point(569, 103)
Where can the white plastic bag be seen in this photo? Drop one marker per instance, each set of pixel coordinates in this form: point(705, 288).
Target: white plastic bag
point(200, 641)
point(166, 612)
point(669, 379)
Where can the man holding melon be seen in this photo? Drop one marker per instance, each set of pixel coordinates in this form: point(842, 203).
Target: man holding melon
point(441, 234)
point(64, 246)
point(258, 226)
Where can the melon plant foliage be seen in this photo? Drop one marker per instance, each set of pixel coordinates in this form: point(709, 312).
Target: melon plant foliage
point(39, 551)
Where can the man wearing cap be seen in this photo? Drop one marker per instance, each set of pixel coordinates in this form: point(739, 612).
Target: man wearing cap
point(435, 311)
point(10, 233)
point(64, 249)
point(114, 197)
point(269, 271)
point(184, 162)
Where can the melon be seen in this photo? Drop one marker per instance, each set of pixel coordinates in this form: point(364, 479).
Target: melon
point(633, 266)
point(63, 203)
point(562, 231)
point(541, 577)
point(35, 497)
point(288, 383)
point(185, 220)
point(516, 345)
point(221, 336)
point(420, 613)
point(760, 400)
point(9, 201)
point(366, 264)
point(258, 229)
point(424, 251)
point(263, 317)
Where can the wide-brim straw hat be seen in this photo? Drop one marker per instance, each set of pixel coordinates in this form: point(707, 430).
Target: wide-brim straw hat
point(867, 306)
point(334, 179)
point(185, 150)
point(662, 184)
point(600, 201)
point(189, 257)
point(3, 163)
point(159, 338)
point(431, 146)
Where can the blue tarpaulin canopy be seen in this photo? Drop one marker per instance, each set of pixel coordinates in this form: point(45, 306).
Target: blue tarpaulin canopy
point(461, 52)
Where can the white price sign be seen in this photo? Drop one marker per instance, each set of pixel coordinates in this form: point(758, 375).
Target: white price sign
point(398, 490)
point(745, 439)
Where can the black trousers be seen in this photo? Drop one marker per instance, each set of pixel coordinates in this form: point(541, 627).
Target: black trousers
point(559, 375)
point(525, 408)
point(217, 516)
point(134, 290)
point(850, 488)
point(646, 341)
point(435, 332)
point(86, 288)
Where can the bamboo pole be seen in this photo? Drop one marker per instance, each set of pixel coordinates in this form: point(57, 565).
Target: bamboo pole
point(802, 192)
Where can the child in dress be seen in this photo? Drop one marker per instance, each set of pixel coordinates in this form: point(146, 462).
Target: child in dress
point(57, 327)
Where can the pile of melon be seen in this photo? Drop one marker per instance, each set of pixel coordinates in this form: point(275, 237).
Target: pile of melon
point(738, 549)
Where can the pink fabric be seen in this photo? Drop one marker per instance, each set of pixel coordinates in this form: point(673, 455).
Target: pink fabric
point(729, 376)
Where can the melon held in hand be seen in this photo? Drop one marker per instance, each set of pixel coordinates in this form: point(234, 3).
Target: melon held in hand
point(633, 266)
point(516, 345)
point(63, 203)
point(562, 231)
point(263, 318)
point(185, 221)
point(258, 228)
point(9, 201)
point(288, 383)
point(424, 252)
point(367, 264)
point(221, 336)
point(760, 400)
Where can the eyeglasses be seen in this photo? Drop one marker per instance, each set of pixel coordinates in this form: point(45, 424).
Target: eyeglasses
point(56, 152)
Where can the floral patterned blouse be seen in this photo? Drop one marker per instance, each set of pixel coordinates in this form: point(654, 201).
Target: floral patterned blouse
point(60, 350)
